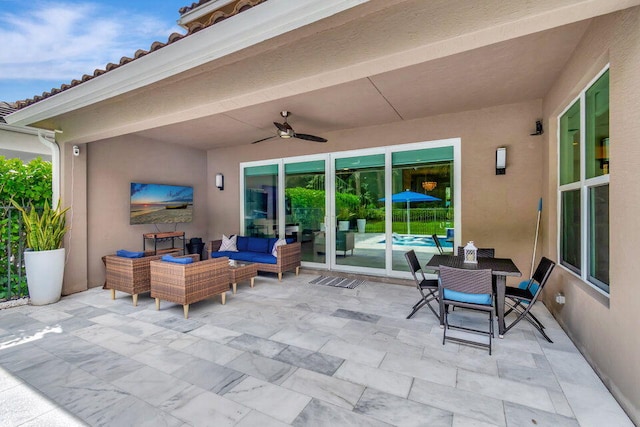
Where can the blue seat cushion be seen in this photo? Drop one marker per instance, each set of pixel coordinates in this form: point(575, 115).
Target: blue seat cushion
point(481, 299)
point(258, 244)
point(169, 258)
point(242, 243)
point(247, 256)
point(129, 254)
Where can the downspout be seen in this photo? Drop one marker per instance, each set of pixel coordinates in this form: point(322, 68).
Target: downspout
point(55, 166)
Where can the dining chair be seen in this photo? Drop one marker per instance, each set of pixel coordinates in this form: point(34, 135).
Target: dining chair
point(427, 287)
point(436, 240)
point(471, 289)
point(521, 299)
point(482, 252)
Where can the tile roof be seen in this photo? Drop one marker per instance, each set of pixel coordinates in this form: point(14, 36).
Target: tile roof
point(5, 110)
point(215, 17)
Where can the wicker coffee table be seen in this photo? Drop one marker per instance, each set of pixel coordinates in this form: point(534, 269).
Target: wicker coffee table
point(239, 271)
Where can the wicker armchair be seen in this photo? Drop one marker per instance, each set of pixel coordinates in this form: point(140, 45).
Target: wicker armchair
point(188, 283)
point(130, 275)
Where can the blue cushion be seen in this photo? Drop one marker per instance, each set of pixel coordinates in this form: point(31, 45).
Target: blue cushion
point(242, 242)
point(169, 258)
point(129, 254)
point(247, 256)
point(258, 244)
point(482, 299)
point(289, 240)
point(272, 241)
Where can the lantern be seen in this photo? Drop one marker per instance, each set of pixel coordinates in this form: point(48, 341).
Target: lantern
point(471, 253)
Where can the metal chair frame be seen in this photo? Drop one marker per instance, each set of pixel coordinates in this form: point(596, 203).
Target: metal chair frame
point(470, 282)
point(521, 300)
point(423, 284)
point(436, 240)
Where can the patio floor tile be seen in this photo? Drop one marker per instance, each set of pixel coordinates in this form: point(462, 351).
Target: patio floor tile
point(285, 353)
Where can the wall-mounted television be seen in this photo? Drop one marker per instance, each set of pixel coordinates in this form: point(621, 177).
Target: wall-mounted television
point(160, 204)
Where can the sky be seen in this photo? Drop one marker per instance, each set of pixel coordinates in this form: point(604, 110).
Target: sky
point(44, 44)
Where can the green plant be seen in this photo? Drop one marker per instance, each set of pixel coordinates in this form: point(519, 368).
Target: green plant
point(46, 230)
point(361, 212)
point(344, 214)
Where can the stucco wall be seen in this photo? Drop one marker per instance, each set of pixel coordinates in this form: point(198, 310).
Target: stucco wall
point(497, 211)
point(111, 166)
point(605, 329)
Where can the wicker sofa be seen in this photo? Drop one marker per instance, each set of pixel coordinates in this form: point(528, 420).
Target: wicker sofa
point(288, 258)
point(188, 283)
point(130, 275)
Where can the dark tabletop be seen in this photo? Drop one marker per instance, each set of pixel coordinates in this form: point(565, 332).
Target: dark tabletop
point(498, 266)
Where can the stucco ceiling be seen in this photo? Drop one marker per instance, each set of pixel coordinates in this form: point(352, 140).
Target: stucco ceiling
point(515, 70)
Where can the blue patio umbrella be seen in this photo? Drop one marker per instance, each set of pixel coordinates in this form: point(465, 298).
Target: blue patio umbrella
point(408, 197)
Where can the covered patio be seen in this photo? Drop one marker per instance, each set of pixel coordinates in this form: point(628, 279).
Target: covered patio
point(373, 78)
point(288, 353)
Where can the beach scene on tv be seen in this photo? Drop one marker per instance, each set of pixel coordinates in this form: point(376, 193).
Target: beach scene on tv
point(160, 203)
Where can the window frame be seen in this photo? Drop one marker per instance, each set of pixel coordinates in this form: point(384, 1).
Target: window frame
point(584, 185)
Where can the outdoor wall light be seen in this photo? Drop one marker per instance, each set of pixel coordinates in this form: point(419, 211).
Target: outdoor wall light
point(220, 181)
point(501, 161)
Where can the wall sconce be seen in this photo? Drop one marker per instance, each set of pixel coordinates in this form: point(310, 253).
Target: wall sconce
point(501, 161)
point(220, 181)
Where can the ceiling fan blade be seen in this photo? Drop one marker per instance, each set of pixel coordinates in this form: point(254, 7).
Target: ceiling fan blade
point(264, 139)
point(309, 137)
point(283, 127)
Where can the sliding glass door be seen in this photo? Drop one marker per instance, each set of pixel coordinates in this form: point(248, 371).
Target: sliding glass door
point(358, 211)
point(305, 201)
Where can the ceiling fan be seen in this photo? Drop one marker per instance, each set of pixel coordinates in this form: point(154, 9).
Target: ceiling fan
point(284, 130)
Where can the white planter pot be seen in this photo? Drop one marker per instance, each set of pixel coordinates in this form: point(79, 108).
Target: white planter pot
point(45, 271)
point(361, 224)
point(343, 225)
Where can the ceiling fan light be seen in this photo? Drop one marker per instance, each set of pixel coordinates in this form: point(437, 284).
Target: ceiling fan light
point(285, 133)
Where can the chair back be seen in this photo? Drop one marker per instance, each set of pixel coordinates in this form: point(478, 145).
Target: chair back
point(437, 242)
point(482, 252)
point(414, 266)
point(540, 276)
point(467, 281)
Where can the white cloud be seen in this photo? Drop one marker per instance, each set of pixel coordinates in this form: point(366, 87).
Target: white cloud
point(63, 41)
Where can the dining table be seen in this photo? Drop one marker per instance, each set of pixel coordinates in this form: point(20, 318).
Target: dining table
point(500, 269)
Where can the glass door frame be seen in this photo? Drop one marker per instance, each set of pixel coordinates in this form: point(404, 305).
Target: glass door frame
point(330, 214)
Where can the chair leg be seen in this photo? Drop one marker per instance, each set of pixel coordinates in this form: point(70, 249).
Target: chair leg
point(280, 277)
point(135, 300)
point(297, 271)
point(157, 303)
point(113, 294)
point(224, 298)
point(186, 311)
point(417, 306)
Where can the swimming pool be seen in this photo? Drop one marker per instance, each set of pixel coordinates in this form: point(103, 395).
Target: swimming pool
point(424, 241)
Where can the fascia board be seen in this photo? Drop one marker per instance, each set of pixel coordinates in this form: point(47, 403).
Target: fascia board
point(244, 30)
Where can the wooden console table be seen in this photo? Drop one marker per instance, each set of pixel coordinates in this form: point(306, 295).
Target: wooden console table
point(164, 237)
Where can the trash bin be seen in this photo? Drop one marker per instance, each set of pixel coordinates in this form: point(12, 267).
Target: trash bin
point(195, 246)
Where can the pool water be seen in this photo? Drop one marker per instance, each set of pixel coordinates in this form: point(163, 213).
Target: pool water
point(425, 241)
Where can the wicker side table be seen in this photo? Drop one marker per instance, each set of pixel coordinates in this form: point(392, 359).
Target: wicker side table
point(239, 272)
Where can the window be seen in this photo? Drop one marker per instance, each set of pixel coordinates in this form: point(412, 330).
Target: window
point(584, 184)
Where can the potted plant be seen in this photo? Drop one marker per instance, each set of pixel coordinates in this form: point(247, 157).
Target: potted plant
point(343, 217)
point(361, 218)
point(45, 256)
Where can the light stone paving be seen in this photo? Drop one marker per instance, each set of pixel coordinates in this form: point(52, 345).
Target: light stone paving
point(285, 353)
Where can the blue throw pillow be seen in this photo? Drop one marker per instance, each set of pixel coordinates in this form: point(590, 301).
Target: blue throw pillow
point(242, 243)
point(129, 254)
point(169, 258)
point(258, 244)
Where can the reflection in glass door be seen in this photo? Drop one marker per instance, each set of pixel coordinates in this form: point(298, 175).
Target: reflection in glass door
point(305, 197)
point(360, 217)
point(422, 203)
point(261, 201)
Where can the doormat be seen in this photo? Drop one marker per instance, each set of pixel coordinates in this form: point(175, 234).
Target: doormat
point(337, 282)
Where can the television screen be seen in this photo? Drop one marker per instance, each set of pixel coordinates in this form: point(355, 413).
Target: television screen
point(160, 204)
